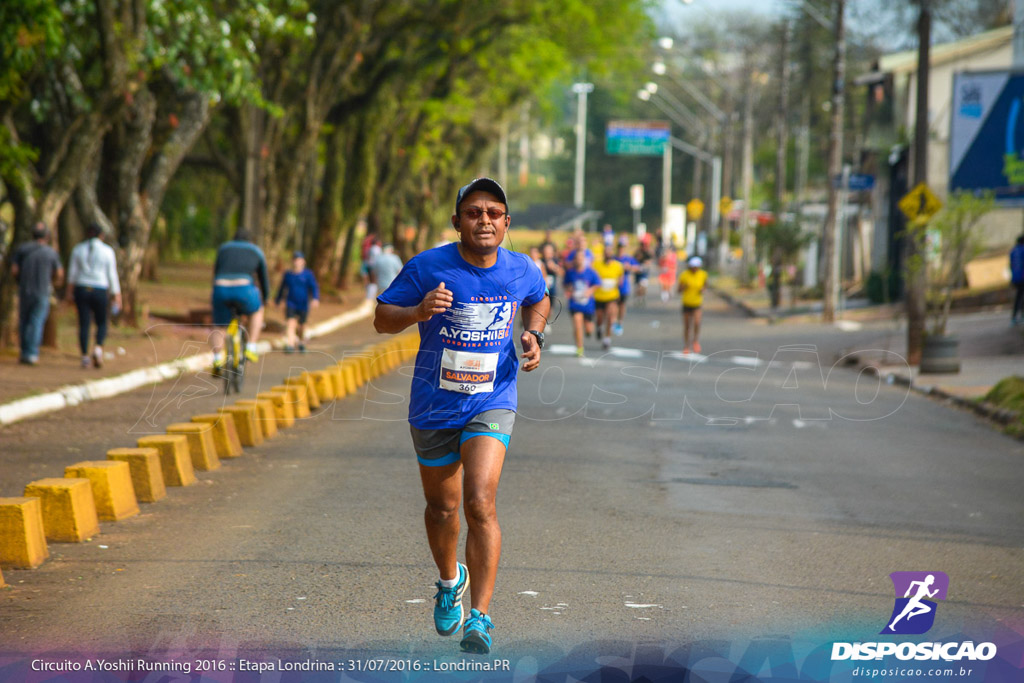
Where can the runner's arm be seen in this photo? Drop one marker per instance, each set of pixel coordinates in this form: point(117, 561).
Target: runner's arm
point(535, 317)
point(392, 319)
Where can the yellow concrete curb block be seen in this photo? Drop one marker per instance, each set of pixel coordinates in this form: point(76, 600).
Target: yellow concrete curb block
point(22, 538)
point(249, 432)
point(323, 380)
point(337, 378)
point(175, 461)
point(225, 436)
point(147, 476)
point(2, 584)
point(304, 381)
point(297, 392)
point(369, 371)
point(348, 377)
point(266, 415)
point(69, 513)
point(112, 490)
point(283, 408)
point(359, 363)
point(200, 444)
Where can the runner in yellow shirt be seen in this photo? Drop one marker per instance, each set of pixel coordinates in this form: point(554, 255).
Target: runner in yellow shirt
point(691, 287)
point(606, 296)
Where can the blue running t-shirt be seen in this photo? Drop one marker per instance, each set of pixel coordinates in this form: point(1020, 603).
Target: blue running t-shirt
point(468, 361)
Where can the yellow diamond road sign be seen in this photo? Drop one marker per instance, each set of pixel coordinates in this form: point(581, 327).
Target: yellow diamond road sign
point(920, 204)
point(725, 205)
point(695, 209)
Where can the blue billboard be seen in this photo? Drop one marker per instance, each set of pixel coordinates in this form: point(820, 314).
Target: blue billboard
point(986, 142)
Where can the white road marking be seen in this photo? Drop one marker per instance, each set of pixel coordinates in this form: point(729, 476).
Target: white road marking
point(531, 593)
point(747, 360)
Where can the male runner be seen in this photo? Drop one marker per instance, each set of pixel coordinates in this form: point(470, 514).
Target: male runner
point(464, 387)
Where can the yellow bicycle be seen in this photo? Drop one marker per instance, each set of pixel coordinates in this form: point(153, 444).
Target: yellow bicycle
point(234, 362)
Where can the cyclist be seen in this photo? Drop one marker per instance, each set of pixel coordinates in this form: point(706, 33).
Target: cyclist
point(238, 260)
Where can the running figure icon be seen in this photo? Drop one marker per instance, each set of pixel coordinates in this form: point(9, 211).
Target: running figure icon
point(915, 606)
point(499, 315)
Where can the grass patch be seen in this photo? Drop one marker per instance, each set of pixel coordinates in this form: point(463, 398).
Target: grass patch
point(1008, 394)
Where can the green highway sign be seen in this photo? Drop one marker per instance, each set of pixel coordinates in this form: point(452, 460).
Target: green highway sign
point(640, 138)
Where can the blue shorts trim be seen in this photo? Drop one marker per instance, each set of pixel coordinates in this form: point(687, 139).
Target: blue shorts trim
point(503, 438)
point(439, 462)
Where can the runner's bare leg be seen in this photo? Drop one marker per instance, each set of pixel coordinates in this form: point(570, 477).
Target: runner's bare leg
point(442, 487)
point(482, 458)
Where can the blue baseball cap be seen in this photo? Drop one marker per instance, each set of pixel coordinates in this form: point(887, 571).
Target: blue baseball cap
point(298, 254)
point(481, 185)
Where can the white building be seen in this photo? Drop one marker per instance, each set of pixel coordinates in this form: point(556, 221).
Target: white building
point(989, 51)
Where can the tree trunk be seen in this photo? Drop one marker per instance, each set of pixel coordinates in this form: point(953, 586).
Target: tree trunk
point(142, 190)
point(835, 162)
point(914, 244)
point(328, 222)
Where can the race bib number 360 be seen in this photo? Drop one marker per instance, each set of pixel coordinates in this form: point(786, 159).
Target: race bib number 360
point(467, 372)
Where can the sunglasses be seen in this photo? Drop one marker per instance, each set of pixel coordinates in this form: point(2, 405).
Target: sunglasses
point(473, 213)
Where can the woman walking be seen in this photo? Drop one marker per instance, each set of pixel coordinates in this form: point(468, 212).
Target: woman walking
point(92, 280)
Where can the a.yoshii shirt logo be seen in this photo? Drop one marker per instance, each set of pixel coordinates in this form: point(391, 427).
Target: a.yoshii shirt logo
point(915, 606)
point(478, 323)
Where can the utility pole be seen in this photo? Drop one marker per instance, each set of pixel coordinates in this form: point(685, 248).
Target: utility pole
point(781, 127)
point(503, 154)
point(746, 239)
point(914, 244)
point(524, 145)
point(728, 152)
point(835, 167)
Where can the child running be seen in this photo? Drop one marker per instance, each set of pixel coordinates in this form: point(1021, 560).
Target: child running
point(299, 286)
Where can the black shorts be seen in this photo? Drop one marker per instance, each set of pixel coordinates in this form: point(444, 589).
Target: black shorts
point(690, 309)
point(290, 313)
point(602, 305)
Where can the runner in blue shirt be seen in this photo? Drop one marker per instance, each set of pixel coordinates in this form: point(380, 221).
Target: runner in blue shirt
point(630, 265)
point(581, 281)
point(302, 292)
point(464, 297)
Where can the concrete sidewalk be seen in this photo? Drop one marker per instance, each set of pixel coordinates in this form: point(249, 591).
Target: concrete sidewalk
point(990, 348)
point(51, 398)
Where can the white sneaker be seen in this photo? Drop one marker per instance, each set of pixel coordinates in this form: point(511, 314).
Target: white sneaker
point(97, 357)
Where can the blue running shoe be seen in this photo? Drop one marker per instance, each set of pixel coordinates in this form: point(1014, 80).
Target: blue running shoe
point(477, 637)
point(448, 604)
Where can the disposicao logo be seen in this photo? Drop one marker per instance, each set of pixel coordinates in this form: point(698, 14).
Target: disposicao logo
point(914, 612)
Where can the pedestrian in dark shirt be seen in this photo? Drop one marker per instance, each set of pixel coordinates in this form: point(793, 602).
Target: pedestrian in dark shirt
point(1017, 278)
point(299, 288)
point(37, 268)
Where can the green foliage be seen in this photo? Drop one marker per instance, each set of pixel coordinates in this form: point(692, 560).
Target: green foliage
point(951, 240)
point(30, 31)
point(781, 240)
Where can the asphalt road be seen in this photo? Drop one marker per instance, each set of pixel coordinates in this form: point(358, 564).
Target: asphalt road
point(762, 489)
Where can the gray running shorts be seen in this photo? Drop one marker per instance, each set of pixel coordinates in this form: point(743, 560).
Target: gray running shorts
point(440, 447)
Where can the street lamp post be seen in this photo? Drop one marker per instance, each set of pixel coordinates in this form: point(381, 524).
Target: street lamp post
point(581, 90)
point(648, 95)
